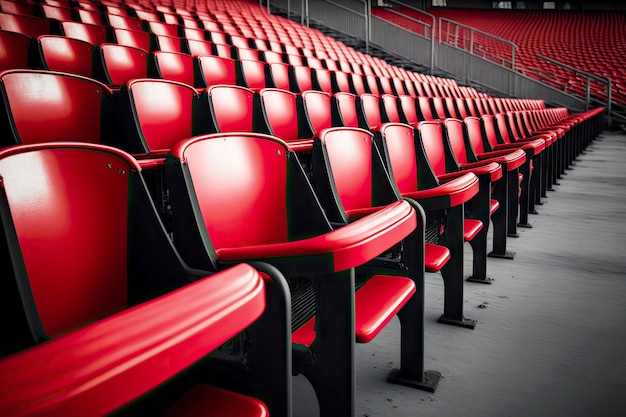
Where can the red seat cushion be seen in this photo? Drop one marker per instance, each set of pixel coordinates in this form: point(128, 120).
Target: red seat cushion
point(493, 206)
point(205, 401)
point(471, 227)
point(435, 257)
point(375, 305)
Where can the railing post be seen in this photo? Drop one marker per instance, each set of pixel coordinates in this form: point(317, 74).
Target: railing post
point(432, 48)
point(471, 42)
point(368, 25)
point(608, 100)
point(587, 92)
point(306, 11)
point(513, 51)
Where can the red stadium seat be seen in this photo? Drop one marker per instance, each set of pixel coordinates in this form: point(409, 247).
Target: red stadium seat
point(59, 53)
point(265, 182)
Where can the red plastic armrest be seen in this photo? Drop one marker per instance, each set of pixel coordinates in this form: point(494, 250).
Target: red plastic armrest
point(536, 146)
point(350, 245)
point(301, 145)
point(491, 170)
point(101, 367)
point(448, 194)
point(510, 159)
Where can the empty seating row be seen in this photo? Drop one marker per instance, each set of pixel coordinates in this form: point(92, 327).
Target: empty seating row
point(363, 247)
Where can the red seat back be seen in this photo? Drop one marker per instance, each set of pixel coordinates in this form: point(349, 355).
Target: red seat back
point(217, 70)
point(280, 111)
point(474, 128)
point(431, 138)
point(425, 108)
point(26, 25)
point(318, 109)
point(279, 73)
point(398, 144)
point(59, 53)
point(174, 66)
point(346, 110)
point(240, 181)
point(349, 153)
point(371, 107)
point(46, 106)
point(123, 63)
point(252, 74)
point(454, 131)
point(80, 198)
point(94, 34)
point(13, 50)
point(303, 78)
point(132, 38)
point(163, 111)
point(231, 108)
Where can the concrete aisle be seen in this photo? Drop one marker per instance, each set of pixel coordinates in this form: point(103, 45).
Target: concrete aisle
point(551, 336)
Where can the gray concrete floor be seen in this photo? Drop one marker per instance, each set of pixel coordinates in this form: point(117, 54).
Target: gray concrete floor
point(551, 340)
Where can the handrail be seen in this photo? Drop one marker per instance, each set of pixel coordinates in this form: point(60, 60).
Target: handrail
point(346, 8)
point(602, 80)
point(432, 28)
point(473, 30)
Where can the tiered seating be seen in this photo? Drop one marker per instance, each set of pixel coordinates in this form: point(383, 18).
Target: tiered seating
point(595, 43)
point(226, 192)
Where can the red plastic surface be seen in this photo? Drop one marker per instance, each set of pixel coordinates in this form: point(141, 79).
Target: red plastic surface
point(94, 34)
point(164, 111)
point(65, 54)
point(303, 77)
point(352, 175)
point(13, 50)
point(317, 105)
point(207, 401)
point(323, 78)
point(401, 148)
point(350, 245)
point(199, 47)
point(123, 63)
point(103, 366)
point(375, 304)
point(471, 227)
point(133, 38)
point(459, 190)
point(26, 25)
point(231, 106)
point(174, 66)
point(390, 104)
point(281, 113)
point(435, 257)
point(62, 194)
point(408, 108)
point(493, 206)
point(346, 102)
point(424, 104)
point(240, 184)
point(280, 75)
point(253, 74)
point(218, 70)
point(509, 159)
point(48, 106)
point(371, 110)
point(431, 135)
